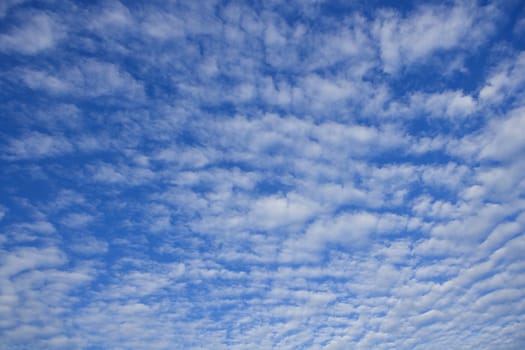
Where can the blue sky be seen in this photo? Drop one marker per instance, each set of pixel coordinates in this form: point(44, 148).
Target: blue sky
point(262, 175)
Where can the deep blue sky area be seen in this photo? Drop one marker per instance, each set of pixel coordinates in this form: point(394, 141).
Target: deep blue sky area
point(262, 175)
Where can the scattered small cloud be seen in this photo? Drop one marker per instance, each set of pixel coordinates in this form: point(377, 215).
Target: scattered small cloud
point(292, 175)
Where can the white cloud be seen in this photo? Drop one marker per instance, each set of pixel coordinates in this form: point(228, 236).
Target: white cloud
point(119, 173)
point(76, 220)
point(37, 32)
point(350, 229)
point(30, 258)
point(504, 81)
point(163, 26)
point(34, 145)
point(38, 227)
point(34, 294)
point(89, 78)
point(112, 16)
point(504, 139)
point(3, 211)
point(430, 28)
point(449, 104)
point(499, 140)
point(88, 245)
point(274, 211)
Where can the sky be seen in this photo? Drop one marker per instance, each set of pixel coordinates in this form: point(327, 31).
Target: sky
point(262, 174)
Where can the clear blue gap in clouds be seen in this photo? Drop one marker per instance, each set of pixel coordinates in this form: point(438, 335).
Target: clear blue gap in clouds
point(235, 175)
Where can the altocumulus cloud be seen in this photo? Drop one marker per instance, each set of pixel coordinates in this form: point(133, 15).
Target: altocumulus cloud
point(262, 175)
